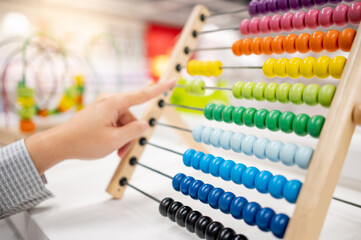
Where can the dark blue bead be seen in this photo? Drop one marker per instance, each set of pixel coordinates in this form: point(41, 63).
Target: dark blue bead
point(196, 158)
point(225, 169)
point(248, 177)
point(249, 213)
point(262, 180)
point(214, 196)
point(263, 218)
point(214, 166)
point(291, 190)
point(205, 161)
point(279, 224)
point(203, 192)
point(184, 186)
point(176, 181)
point(193, 188)
point(225, 200)
point(275, 186)
point(236, 173)
point(187, 156)
point(237, 206)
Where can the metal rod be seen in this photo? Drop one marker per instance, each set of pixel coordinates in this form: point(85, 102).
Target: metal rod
point(163, 148)
point(181, 106)
point(175, 127)
point(219, 30)
point(241, 67)
point(154, 170)
point(205, 87)
point(226, 13)
point(347, 202)
point(209, 49)
point(144, 193)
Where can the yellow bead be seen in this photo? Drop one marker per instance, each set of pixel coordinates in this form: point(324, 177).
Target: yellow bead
point(293, 67)
point(66, 103)
point(280, 67)
point(321, 67)
point(191, 67)
point(79, 80)
point(268, 67)
point(26, 101)
point(200, 68)
point(217, 68)
point(336, 66)
point(208, 68)
point(306, 67)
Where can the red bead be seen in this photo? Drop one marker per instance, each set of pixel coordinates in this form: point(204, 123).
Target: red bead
point(311, 19)
point(286, 22)
point(298, 20)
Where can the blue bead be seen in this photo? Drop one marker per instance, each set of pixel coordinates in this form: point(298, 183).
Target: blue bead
point(225, 200)
point(259, 147)
point(303, 156)
point(273, 151)
point(195, 160)
point(249, 213)
point(214, 196)
point(187, 156)
point(197, 133)
point(262, 180)
point(193, 188)
point(279, 224)
point(225, 169)
point(216, 137)
point(214, 166)
point(225, 140)
point(287, 154)
point(205, 161)
point(291, 190)
point(237, 206)
point(236, 142)
point(203, 192)
point(236, 173)
point(249, 176)
point(184, 186)
point(206, 135)
point(176, 181)
point(263, 218)
point(275, 186)
point(247, 144)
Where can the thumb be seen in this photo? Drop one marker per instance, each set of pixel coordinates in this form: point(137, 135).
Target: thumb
point(131, 131)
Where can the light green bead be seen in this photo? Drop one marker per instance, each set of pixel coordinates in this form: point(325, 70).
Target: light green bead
point(189, 86)
point(325, 95)
point(270, 92)
point(310, 94)
point(198, 87)
point(282, 92)
point(26, 112)
point(25, 92)
point(237, 89)
point(296, 93)
point(247, 90)
point(258, 91)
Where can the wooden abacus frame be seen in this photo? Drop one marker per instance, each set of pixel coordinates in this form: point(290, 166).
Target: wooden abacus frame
point(327, 161)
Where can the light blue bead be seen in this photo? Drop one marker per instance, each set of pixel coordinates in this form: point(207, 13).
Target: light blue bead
point(236, 142)
point(247, 144)
point(187, 157)
point(216, 137)
point(275, 186)
point(291, 190)
point(225, 140)
point(273, 150)
point(206, 135)
point(236, 173)
point(225, 169)
point(262, 180)
point(205, 161)
point(197, 133)
point(214, 166)
point(303, 156)
point(195, 160)
point(287, 154)
point(259, 147)
point(248, 177)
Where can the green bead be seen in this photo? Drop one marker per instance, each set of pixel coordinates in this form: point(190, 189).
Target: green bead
point(270, 92)
point(247, 90)
point(27, 112)
point(260, 118)
point(208, 111)
point(315, 125)
point(300, 123)
point(285, 121)
point(237, 89)
point(237, 115)
point(198, 87)
point(218, 112)
point(189, 86)
point(325, 95)
point(227, 114)
point(25, 92)
point(296, 93)
point(248, 116)
point(282, 92)
point(258, 91)
point(310, 94)
point(272, 120)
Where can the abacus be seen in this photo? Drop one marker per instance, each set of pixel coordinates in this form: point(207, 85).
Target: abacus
point(323, 165)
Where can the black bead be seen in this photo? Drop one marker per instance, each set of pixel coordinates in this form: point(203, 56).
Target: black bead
point(213, 230)
point(226, 234)
point(163, 206)
point(195, 33)
point(178, 67)
point(202, 17)
point(172, 209)
point(191, 220)
point(133, 161)
point(240, 237)
point(186, 50)
point(161, 103)
point(142, 141)
point(152, 122)
point(181, 214)
point(201, 225)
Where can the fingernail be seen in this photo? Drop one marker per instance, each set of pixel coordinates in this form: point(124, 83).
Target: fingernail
point(144, 124)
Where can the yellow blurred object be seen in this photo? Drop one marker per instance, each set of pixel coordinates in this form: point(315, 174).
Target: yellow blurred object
point(26, 101)
point(79, 80)
point(66, 103)
point(159, 64)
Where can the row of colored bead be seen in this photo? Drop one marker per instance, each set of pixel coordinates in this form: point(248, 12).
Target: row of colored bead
point(264, 181)
point(297, 93)
point(303, 43)
point(251, 212)
point(289, 154)
point(206, 68)
point(314, 18)
point(274, 120)
point(27, 110)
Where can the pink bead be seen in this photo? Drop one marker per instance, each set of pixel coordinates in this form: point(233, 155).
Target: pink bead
point(354, 13)
point(254, 25)
point(311, 19)
point(298, 20)
point(275, 23)
point(243, 27)
point(339, 15)
point(325, 17)
point(264, 25)
point(286, 22)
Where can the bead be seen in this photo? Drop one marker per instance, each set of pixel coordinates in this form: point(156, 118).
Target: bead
point(243, 27)
point(247, 144)
point(195, 160)
point(307, 3)
point(280, 67)
point(259, 147)
point(27, 113)
point(193, 188)
point(300, 124)
point(325, 95)
point(249, 213)
point(225, 170)
point(214, 196)
point(216, 68)
point(213, 230)
point(261, 181)
point(215, 137)
point(325, 17)
point(285, 121)
point(172, 210)
point(339, 15)
point(275, 186)
point(236, 48)
point(206, 135)
point(237, 115)
point(270, 92)
point(273, 151)
point(246, 46)
point(321, 67)
point(176, 181)
point(303, 156)
point(163, 206)
point(293, 67)
point(236, 173)
point(253, 25)
point(248, 116)
point(283, 92)
point(184, 185)
point(345, 39)
point(197, 133)
point(214, 166)
point(203, 192)
point(298, 20)
point(262, 6)
point(260, 118)
point(256, 46)
point(248, 177)
point(336, 66)
point(306, 67)
point(191, 69)
point(258, 91)
point(287, 154)
point(314, 125)
point(205, 161)
point(279, 224)
point(181, 214)
point(316, 41)
point(263, 218)
point(291, 190)
point(272, 5)
point(224, 202)
point(201, 225)
point(191, 220)
point(295, 4)
point(296, 93)
point(247, 90)
point(241, 236)
point(266, 45)
point(310, 94)
point(237, 206)
point(320, 2)
point(264, 25)
point(208, 111)
point(272, 120)
point(286, 21)
point(226, 234)
point(237, 89)
point(198, 87)
point(236, 142)
point(225, 140)
point(268, 68)
point(302, 43)
point(354, 13)
point(283, 5)
point(289, 45)
point(217, 112)
point(275, 23)
point(330, 40)
point(311, 19)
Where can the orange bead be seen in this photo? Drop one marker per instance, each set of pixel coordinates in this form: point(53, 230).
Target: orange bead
point(27, 126)
point(289, 45)
point(302, 43)
point(316, 41)
point(330, 41)
point(256, 46)
point(43, 112)
point(236, 48)
point(345, 39)
point(246, 46)
point(266, 45)
point(277, 44)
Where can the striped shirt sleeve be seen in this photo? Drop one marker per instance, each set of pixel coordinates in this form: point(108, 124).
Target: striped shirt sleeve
point(21, 186)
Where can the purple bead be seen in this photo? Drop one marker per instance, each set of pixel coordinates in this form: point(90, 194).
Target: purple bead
point(262, 7)
point(307, 3)
point(252, 8)
point(295, 4)
point(283, 5)
point(348, 0)
point(272, 5)
point(335, 1)
point(320, 2)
